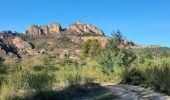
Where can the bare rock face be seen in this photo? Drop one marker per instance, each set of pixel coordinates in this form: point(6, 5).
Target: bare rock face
point(78, 29)
point(84, 29)
point(6, 47)
point(33, 30)
point(55, 28)
point(43, 30)
point(19, 43)
point(23, 45)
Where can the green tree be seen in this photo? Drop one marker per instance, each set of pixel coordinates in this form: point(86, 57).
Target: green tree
point(114, 55)
point(86, 48)
point(91, 48)
point(114, 41)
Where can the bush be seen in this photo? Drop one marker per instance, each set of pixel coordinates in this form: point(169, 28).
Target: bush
point(64, 42)
point(125, 57)
point(2, 66)
point(13, 84)
point(106, 60)
point(132, 76)
point(20, 81)
point(153, 73)
point(74, 79)
point(117, 57)
point(40, 81)
point(158, 75)
point(42, 45)
point(91, 48)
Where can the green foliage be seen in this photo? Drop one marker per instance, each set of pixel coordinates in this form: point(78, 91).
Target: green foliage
point(113, 55)
point(153, 73)
point(27, 37)
point(152, 53)
point(125, 57)
point(38, 74)
point(158, 75)
point(63, 42)
point(40, 81)
point(115, 41)
point(3, 70)
point(74, 79)
point(86, 48)
point(91, 48)
point(106, 60)
point(2, 66)
point(42, 45)
point(27, 79)
point(132, 76)
point(22, 36)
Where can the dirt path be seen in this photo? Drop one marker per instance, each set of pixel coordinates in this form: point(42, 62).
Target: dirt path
point(129, 92)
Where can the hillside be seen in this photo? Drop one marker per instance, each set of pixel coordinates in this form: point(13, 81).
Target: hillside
point(53, 39)
point(75, 63)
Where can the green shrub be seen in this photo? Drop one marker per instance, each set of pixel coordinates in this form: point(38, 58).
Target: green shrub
point(106, 60)
point(13, 84)
point(119, 57)
point(154, 73)
point(42, 45)
point(114, 55)
point(74, 79)
point(40, 81)
point(158, 75)
point(125, 57)
point(20, 81)
point(2, 66)
point(91, 48)
point(64, 42)
point(132, 76)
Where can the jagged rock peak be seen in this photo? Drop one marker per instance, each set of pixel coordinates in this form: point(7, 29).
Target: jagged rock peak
point(44, 30)
point(78, 28)
point(84, 29)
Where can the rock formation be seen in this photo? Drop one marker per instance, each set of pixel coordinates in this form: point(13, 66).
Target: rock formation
point(23, 45)
point(78, 28)
point(84, 29)
point(38, 40)
point(44, 30)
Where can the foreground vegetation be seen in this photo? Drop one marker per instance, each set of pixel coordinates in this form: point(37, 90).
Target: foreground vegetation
point(42, 78)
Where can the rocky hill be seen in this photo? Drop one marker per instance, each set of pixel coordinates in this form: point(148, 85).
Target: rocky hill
point(51, 39)
point(77, 29)
point(36, 40)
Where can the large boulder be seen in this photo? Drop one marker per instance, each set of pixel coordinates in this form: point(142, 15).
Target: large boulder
point(5, 42)
point(24, 46)
point(20, 44)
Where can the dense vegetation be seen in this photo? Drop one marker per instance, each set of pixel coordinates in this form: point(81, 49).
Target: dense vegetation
point(42, 78)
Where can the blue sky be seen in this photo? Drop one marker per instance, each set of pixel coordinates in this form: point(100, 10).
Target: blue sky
point(142, 21)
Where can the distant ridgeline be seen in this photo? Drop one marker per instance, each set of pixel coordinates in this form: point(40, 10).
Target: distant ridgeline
point(53, 39)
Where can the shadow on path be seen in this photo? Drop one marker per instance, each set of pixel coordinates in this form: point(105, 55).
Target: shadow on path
point(90, 91)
